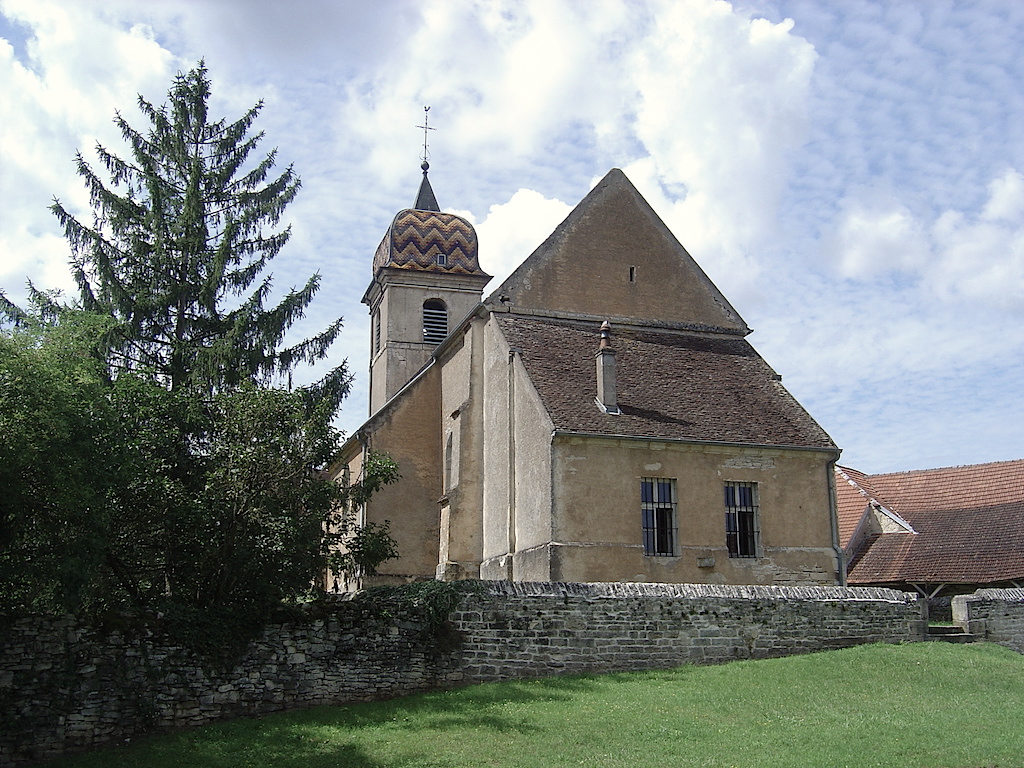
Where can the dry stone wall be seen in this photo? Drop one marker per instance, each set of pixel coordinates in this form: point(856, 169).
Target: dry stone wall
point(996, 615)
point(532, 629)
point(66, 686)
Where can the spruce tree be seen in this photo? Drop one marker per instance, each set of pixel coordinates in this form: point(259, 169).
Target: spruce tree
point(197, 481)
point(181, 235)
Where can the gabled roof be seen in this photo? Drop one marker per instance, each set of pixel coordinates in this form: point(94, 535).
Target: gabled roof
point(613, 258)
point(852, 500)
point(671, 385)
point(968, 525)
point(855, 499)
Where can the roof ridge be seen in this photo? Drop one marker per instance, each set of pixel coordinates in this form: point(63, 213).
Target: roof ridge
point(945, 469)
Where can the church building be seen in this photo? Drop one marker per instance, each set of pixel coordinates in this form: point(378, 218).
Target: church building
point(599, 416)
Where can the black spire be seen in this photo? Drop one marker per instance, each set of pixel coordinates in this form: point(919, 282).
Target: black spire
point(425, 200)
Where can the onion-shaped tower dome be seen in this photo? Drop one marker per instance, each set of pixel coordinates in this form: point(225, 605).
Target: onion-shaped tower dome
point(423, 238)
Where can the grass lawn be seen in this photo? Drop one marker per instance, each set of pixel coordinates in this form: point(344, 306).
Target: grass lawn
point(922, 704)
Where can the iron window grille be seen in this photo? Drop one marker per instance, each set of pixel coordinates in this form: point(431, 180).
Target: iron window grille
point(742, 526)
point(435, 321)
point(658, 516)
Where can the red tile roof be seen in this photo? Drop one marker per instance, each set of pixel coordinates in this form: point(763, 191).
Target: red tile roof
point(969, 524)
point(977, 485)
point(670, 385)
point(851, 501)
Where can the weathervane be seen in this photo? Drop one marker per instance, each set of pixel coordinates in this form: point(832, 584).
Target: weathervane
point(426, 127)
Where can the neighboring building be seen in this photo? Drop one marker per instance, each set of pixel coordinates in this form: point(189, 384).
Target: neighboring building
point(599, 417)
point(939, 532)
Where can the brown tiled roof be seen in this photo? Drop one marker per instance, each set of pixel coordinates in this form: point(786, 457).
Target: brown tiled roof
point(851, 500)
point(670, 385)
point(969, 524)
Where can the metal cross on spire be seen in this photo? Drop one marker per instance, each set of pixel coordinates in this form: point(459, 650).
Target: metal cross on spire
point(426, 127)
point(425, 200)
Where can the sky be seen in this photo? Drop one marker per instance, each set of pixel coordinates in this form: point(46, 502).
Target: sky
point(849, 174)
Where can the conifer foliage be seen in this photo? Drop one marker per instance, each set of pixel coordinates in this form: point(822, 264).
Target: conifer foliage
point(180, 239)
point(155, 457)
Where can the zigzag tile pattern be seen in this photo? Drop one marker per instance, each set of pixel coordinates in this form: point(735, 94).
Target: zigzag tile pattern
point(417, 238)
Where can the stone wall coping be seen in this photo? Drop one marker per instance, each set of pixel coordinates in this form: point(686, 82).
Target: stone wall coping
point(1010, 595)
point(621, 590)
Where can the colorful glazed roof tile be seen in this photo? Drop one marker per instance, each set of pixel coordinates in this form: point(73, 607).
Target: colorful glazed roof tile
point(967, 524)
point(670, 385)
point(429, 241)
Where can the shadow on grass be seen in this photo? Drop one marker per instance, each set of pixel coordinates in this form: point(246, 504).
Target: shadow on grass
point(332, 736)
point(481, 706)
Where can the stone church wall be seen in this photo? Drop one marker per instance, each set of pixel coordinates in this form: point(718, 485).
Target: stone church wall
point(66, 686)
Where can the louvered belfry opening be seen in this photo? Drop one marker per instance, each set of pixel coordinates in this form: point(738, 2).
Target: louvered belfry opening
point(435, 321)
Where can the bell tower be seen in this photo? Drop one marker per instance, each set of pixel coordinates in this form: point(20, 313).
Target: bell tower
point(426, 279)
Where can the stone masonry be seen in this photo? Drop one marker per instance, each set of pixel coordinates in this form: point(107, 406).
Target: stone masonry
point(522, 629)
point(66, 686)
point(995, 615)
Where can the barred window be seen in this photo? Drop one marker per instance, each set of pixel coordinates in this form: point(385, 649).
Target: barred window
point(658, 516)
point(742, 527)
point(435, 321)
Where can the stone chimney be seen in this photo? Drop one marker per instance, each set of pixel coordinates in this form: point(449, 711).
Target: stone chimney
point(607, 400)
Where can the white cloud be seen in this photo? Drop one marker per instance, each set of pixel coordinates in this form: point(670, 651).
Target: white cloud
point(972, 261)
point(848, 180)
point(980, 259)
point(61, 98)
point(875, 238)
point(721, 106)
point(1006, 198)
point(83, 66)
point(511, 231)
point(506, 83)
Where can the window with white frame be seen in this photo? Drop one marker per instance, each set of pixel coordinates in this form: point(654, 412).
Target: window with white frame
point(742, 527)
point(435, 321)
point(658, 516)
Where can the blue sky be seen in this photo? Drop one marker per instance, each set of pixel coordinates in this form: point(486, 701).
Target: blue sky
point(851, 175)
